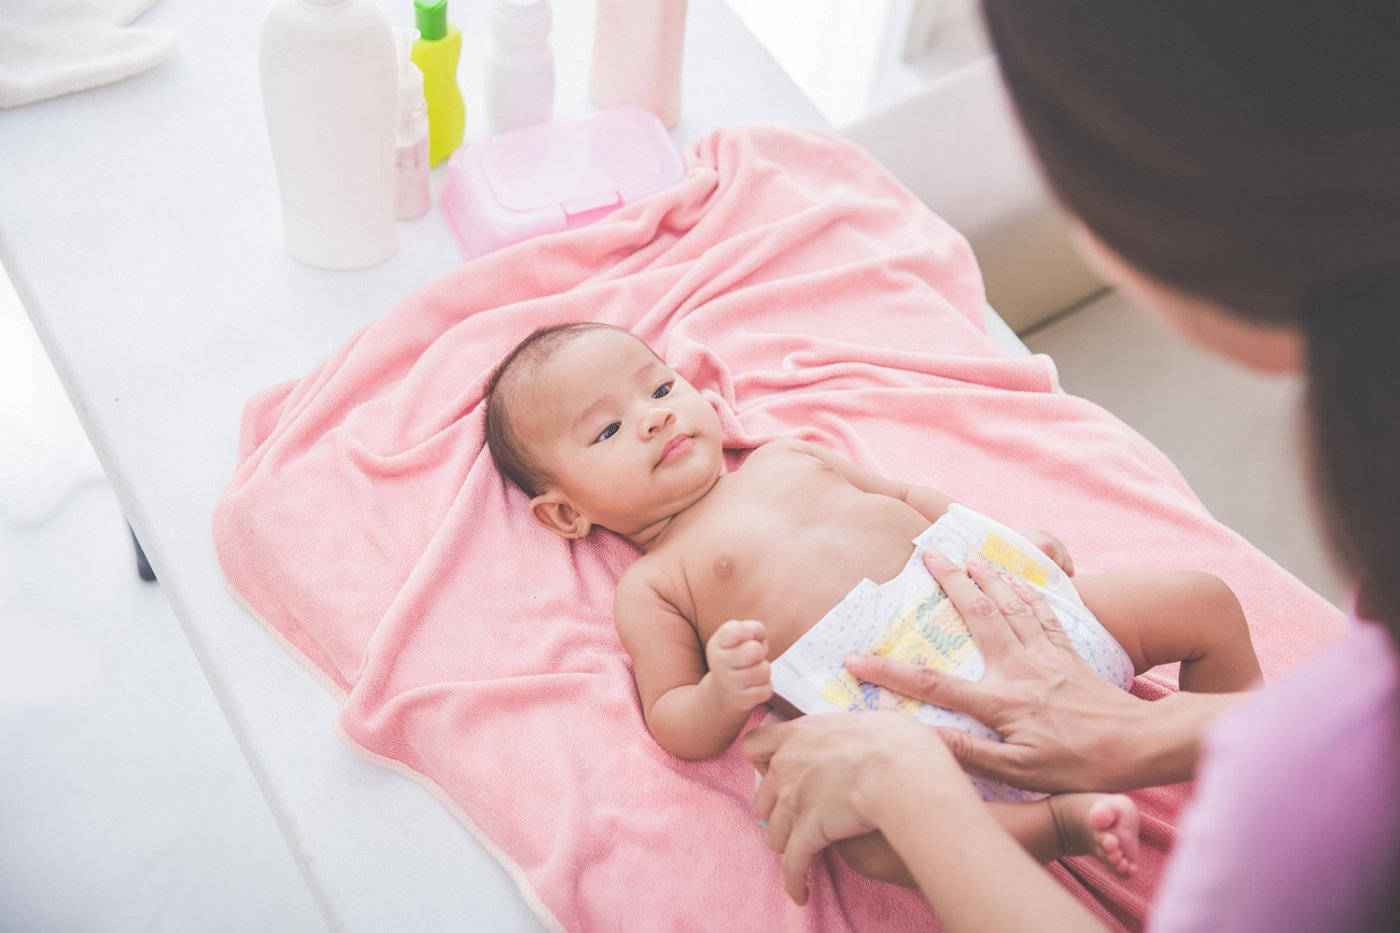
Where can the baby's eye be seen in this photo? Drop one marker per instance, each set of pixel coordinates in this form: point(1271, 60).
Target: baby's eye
point(662, 390)
point(608, 432)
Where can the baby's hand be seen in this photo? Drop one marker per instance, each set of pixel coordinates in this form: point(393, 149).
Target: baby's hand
point(1053, 547)
point(737, 656)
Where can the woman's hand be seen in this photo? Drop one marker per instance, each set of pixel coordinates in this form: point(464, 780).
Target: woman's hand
point(825, 778)
point(1064, 728)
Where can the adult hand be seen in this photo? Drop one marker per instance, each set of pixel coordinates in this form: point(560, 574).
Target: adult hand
point(826, 777)
point(1064, 728)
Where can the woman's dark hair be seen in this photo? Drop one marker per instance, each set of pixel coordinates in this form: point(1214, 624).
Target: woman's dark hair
point(1247, 153)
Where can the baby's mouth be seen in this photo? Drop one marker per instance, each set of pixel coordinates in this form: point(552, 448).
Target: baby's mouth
point(677, 446)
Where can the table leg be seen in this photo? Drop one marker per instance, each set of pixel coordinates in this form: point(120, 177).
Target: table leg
point(143, 566)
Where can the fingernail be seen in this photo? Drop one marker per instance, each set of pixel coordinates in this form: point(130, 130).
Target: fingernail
point(854, 660)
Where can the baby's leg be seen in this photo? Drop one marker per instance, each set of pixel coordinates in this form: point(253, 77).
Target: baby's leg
point(1186, 616)
point(1102, 825)
point(871, 855)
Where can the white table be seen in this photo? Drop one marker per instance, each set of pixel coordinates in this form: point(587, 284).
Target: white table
point(140, 224)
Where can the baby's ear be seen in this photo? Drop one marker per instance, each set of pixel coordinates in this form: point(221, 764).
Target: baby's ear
point(553, 510)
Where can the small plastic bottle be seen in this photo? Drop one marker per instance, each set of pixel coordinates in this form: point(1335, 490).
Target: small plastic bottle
point(436, 53)
point(637, 46)
point(330, 95)
point(519, 65)
point(411, 139)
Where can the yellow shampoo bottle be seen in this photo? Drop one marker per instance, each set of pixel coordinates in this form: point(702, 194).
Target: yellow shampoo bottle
point(436, 54)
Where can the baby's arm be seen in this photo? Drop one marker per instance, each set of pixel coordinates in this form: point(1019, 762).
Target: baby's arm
point(930, 503)
point(692, 712)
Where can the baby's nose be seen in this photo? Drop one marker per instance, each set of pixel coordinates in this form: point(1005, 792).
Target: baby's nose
point(655, 420)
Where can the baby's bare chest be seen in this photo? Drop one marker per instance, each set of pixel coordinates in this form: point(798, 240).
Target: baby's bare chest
point(784, 540)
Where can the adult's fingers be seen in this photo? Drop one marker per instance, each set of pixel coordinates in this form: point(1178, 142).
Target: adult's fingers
point(761, 744)
point(924, 683)
point(802, 846)
point(765, 799)
point(989, 629)
point(779, 821)
point(1013, 608)
point(981, 756)
point(1045, 617)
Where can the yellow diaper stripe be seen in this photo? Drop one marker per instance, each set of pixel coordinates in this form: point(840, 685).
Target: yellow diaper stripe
point(843, 692)
point(997, 550)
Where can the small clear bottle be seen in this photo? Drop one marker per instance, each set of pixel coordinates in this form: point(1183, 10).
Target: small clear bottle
point(411, 137)
point(519, 65)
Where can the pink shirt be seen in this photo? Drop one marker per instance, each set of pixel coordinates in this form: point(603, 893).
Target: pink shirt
point(1296, 819)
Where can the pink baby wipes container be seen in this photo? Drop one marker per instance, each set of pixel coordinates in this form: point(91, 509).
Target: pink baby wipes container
point(555, 176)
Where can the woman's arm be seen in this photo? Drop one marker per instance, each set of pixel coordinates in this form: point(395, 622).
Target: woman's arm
point(829, 777)
point(981, 858)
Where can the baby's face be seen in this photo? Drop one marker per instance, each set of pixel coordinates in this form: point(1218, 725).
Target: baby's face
point(627, 440)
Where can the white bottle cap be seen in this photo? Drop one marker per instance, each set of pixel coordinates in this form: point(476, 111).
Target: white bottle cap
point(520, 22)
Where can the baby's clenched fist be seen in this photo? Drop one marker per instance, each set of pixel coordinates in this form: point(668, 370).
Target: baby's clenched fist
point(738, 658)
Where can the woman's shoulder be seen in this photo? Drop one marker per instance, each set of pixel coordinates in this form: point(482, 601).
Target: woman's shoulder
point(1293, 825)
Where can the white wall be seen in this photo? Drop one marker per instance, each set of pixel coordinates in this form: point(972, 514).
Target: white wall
point(958, 146)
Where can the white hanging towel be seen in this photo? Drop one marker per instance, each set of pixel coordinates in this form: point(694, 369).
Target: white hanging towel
point(53, 47)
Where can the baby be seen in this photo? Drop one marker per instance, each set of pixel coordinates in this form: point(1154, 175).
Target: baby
point(737, 567)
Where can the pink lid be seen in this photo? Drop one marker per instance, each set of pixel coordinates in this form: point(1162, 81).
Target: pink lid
point(555, 176)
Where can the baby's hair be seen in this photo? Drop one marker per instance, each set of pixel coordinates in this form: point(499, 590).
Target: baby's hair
point(502, 391)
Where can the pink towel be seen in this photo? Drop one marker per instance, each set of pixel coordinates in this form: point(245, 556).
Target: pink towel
point(806, 293)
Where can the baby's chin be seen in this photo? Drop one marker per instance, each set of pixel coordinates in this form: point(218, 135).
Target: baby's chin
point(653, 512)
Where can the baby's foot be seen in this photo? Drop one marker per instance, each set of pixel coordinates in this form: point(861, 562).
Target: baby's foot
point(1102, 825)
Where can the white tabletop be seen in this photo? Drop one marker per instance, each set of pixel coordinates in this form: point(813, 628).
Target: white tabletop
point(139, 222)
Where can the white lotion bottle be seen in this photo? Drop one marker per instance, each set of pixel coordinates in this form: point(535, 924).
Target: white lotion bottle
point(519, 65)
point(329, 75)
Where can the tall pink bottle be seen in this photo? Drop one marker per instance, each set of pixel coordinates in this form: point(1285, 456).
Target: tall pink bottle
point(637, 47)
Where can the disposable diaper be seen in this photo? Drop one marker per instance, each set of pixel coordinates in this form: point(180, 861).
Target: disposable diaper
point(911, 619)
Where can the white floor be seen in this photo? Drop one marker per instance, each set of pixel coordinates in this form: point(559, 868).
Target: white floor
point(111, 745)
point(1233, 434)
point(125, 803)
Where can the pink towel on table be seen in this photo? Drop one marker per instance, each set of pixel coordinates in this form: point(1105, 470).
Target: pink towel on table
point(806, 293)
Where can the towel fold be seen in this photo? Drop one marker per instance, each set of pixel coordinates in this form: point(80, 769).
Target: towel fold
point(53, 47)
